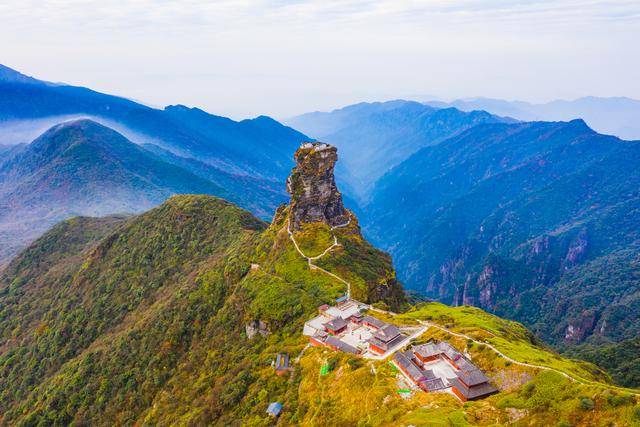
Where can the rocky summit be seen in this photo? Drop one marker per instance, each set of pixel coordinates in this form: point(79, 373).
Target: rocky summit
point(314, 195)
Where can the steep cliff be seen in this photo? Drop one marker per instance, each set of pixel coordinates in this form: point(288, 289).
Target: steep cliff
point(314, 194)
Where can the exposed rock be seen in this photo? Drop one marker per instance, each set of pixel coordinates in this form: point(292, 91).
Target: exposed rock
point(487, 286)
point(576, 331)
point(314, 195)
point(256, 327)
point(577, 250)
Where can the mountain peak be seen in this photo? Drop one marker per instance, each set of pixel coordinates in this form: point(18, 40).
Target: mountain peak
point(314, 194)
point(9, 75)
point(75, 131)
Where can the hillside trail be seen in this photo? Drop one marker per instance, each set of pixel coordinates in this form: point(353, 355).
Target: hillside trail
point(310, 260)
point(335, 244)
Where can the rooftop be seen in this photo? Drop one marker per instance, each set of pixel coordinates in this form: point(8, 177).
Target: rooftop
point(474, 392)
point(336, 324)
point(408, 366)
point(341, 345)
point(274, 408)
point(373, 321)
point(387, 333)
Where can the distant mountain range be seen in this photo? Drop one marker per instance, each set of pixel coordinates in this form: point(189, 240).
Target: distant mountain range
point(617, 116)
point(375, 137)
point(83, 168)
point(534, 221)
point(80, 167)
point(257, 147)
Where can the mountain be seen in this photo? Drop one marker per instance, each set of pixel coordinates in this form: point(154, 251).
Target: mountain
point(532, 221)
point(375, 137)
point(621, 360)
point(174, 316)
point(83, 168)
point(8, 75)
point(257, 147)
point(617, 116)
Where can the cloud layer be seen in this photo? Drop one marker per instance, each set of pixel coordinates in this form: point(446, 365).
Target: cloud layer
point(242, 57)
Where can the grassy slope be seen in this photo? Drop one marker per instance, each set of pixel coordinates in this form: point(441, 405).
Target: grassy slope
point(148, 326)
point(528, 397)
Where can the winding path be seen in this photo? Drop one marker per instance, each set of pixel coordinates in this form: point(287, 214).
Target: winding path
point(427, 325)
point(310, 260)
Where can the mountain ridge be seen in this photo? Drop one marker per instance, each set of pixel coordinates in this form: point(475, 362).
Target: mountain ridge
point(509, 210)
point(257, 147)
point(609, 115)
point(392, 132)
point(82, 167)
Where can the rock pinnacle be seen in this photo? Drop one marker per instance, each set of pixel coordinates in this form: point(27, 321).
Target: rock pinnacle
point(314, 194)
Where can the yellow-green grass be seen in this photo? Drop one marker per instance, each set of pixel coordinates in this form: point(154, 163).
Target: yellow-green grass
point(314, 238)
point(510, 338)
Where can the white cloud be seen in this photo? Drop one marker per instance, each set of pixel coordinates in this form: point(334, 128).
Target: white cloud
point(279, 57)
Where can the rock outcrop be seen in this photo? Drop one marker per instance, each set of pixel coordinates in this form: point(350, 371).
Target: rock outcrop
point(314, 195)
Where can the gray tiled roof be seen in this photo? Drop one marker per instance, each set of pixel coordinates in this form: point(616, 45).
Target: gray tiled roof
point(341, 345)
point(408, 366)
point(434, 384)
point(387, 333)
point(373, 321)
point(428, 374)
point(472, 377)
point(336, 323)
point(475, 392)
point(385, 345)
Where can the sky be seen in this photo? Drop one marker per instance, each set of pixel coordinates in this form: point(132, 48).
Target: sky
point(242, 58)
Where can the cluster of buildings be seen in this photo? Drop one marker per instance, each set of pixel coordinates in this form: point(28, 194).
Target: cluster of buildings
point(344, 327)
point(431, 367)
point(439, 366)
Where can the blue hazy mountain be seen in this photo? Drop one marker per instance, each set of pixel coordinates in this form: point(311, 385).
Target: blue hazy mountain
point(257, 147)
point(617, 116)
point(83, 168)
point(375, 137)
point(534, 221)
point(8, 75)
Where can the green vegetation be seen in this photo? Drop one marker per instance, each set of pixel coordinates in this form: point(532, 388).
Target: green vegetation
point(314, 238)
point(535, 222)
point(621, 360)
point(173, 317)
point(147, 319)
point(510, 338)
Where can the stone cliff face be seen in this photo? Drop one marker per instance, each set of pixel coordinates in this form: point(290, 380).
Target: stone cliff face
point(314, 195)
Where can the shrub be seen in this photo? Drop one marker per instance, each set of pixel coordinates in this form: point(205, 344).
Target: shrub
point(528, 389)
point(587, 404)
point(616, 400)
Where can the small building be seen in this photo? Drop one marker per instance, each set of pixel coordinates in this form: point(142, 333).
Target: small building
point(385, 338)
point(433, 351)
point(336, 325)
point(318, 338)
point(356, 318)
point(342, 299)
point(372, 322)
point(404, 363)
point(282, 363)
point(469, 382)
point(466, 392)
point(274, 409)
